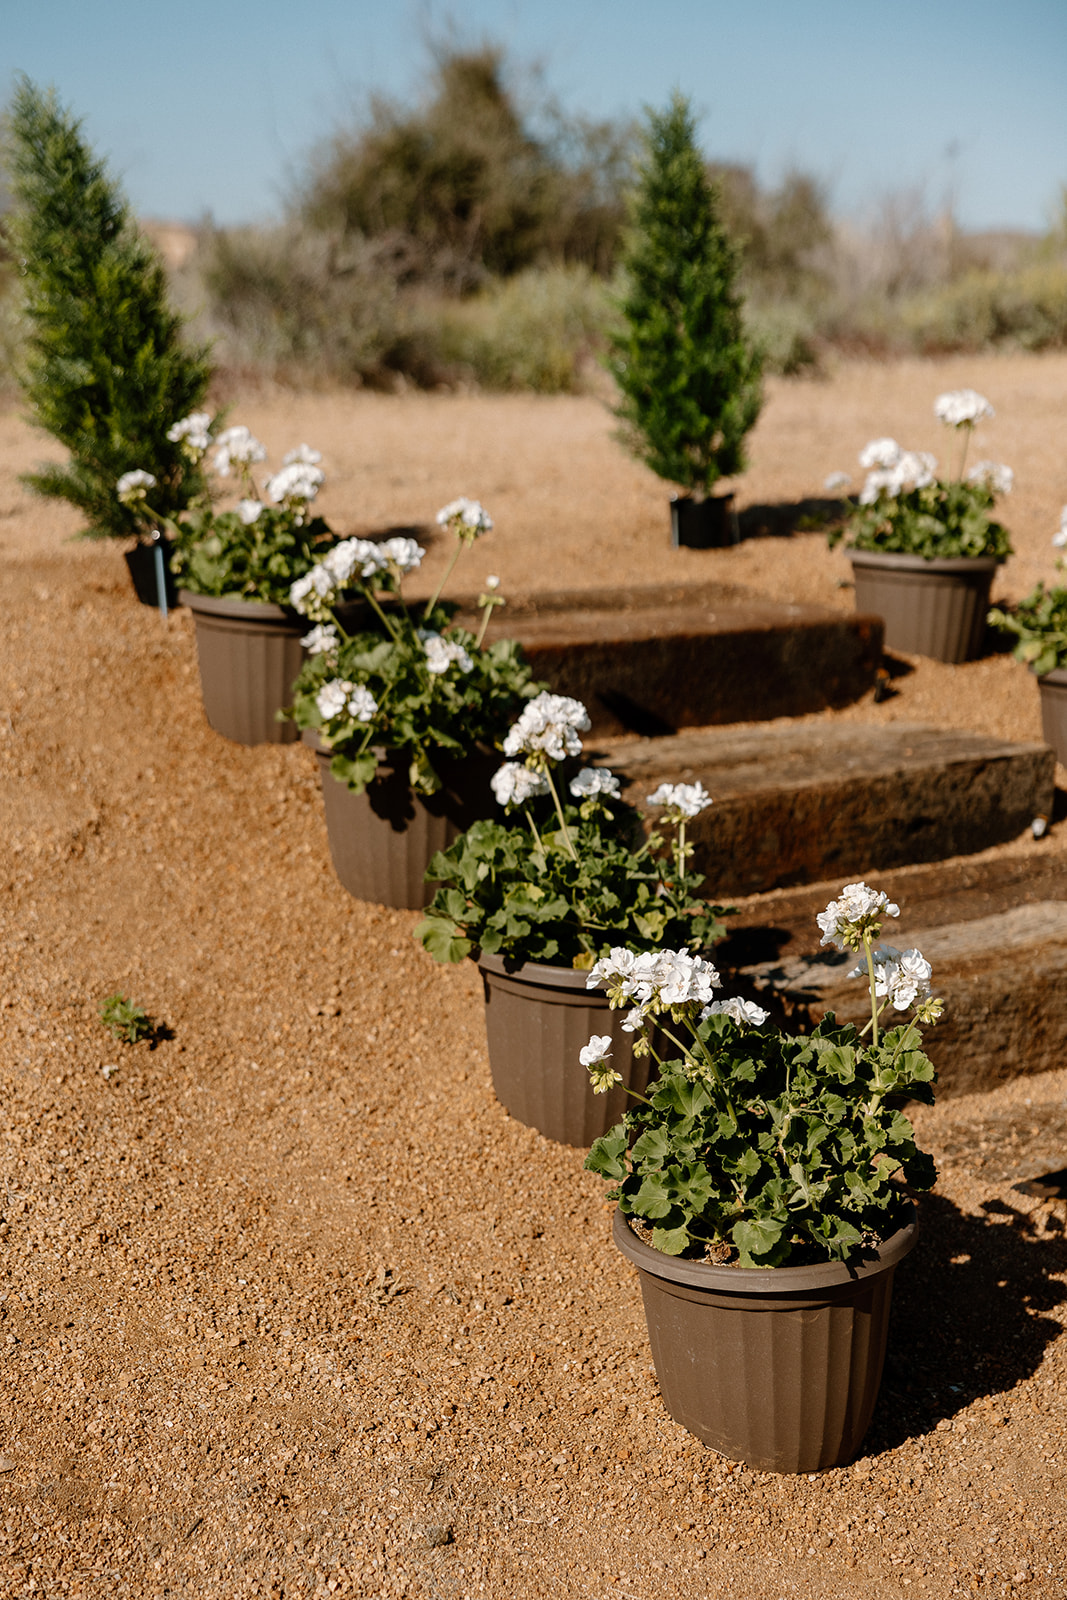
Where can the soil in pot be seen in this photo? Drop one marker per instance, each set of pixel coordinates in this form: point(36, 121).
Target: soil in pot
point(537, 1019)
point(778, 1367)
point(382, 841)
point(930, 608)
point(703, 524)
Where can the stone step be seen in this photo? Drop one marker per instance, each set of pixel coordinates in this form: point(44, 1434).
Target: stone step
point(799, 803)
point(995, 932)
point(652, 660)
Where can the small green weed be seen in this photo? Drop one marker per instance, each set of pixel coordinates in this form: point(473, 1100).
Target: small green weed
point(125, 1021)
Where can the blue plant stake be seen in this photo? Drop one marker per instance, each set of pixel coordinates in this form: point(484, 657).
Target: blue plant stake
point(161, 582)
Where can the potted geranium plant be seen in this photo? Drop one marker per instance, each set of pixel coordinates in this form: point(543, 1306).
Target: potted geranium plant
point(236, 567)
point(764, 1187)
point(924, 549)
point(537, 898)
point(1040, 625)
point(688, 375)
point(403, 708)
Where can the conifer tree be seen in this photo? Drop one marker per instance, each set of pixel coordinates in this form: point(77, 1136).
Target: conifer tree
point(688, 377)
point(105, 371)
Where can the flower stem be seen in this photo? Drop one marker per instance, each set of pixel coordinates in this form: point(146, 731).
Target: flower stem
point(868, 951)
point(559, 813)
point(448, 573)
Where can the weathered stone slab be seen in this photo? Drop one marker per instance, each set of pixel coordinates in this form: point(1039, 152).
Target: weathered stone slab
point(1002, 974)
point(656, 659)
point(798, 804)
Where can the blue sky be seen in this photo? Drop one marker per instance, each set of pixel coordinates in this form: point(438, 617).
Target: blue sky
point(212, 105)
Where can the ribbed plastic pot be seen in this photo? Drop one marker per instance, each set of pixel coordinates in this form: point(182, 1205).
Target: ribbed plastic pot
point(537, 1018)
point(778, 1367)
point(930, 608)
point(141, 564)
point(250, 656)
point(382, 841)
point(702, 524)
point(1053, 688)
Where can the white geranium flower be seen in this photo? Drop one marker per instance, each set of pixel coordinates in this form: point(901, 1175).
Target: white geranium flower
point(681, 800)
point(879, 453)
point(549, 726)
point(513, 784)
point(237, 444)
point(332, 698)
point(193, 433)
point(594, 1056)
point(746, 1013)
point(598, 1049)
point(249, 510)
point(915, 467)
point(962, 408)
point(492, 583)
point(362, 704)
point(443, 653)
point(1059, 539)
point(592, 781)
point(134, 486)
point(405, 554)
point(303, 454)
point(994, 475)
point(836, 481)
point(902, 976)
point(321, 641)
point(879, 481)
point(655, 978)
point(859, 908)
point(298, 482)
point(470, 516)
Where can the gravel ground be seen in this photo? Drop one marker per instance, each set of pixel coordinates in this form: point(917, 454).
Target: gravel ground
point(288, 1305)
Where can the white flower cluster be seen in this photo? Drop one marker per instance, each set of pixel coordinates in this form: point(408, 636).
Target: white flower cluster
point(443, 653)
point(339, 695)
point(859, 909)
point(890, 470)
point(902, 975)
point(994, 475)
point(249, 510)
point(470, 517)
point(1059, 539)
point(681, 800)
point(962, 408)
point(513, 784)
point(746, 1013)
point(594, 1056)
point(548, 726)
point(297, 483)
point(654, 980)
point(237, 444)
point(350, 558)
point(133, 486)
point(834, 482)
point(304, 454)
point(593, 781)
point(321, 641)
point(193, 433)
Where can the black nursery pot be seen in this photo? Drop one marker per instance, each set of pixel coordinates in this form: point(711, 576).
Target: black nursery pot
point(703, 524)
point(141, 561)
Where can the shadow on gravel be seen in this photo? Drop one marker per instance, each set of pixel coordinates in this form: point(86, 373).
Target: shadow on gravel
point(783, 518)
point(968, 1316)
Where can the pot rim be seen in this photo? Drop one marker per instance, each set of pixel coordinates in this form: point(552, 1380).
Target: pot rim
point(537, 973)
point(761, 1280)
point(691, 500)
point(904, 561)
point(215, 605)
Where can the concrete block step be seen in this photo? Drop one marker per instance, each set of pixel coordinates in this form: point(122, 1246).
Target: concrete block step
point(799, 803)
point(995, 932)
point(655, 659)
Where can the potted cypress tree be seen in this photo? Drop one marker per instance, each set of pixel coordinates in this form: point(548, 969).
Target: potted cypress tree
point(689, 379)
point(106, 369)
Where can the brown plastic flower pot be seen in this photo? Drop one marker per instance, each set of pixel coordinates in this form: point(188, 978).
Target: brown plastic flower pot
point(930, 608)
point(778, 1367)
point(703, 524)
point(537, 1019)
point(1053, 688)
point(382, 841)
point(250, 655)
